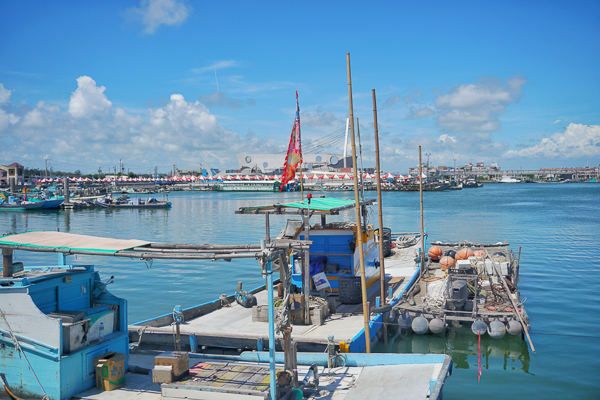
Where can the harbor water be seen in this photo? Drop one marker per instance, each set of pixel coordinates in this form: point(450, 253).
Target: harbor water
point(556, 225)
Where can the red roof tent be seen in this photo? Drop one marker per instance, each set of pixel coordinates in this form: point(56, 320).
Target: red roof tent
point(15, 165)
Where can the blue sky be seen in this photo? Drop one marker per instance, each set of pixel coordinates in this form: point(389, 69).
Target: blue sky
point(164, 82)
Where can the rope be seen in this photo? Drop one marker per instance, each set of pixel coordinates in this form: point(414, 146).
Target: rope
point(283, 316)
point(140, 332)
point(224, 301)
point(434, 299)
point(18, 347)
point(405, 241)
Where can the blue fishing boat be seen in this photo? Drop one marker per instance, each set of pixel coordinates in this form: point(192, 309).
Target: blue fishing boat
point(57, 321)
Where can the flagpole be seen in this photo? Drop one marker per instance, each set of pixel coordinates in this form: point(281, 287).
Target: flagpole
point(301, 184)
point(359, 233)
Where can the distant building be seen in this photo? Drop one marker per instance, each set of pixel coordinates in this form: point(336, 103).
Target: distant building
point(13, 171)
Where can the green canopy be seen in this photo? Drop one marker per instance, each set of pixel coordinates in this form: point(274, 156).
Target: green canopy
point(328, 205)
point(68, 241)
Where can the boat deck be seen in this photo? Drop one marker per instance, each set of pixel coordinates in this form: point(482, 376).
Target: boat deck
point(227, 379)
point(232, 326)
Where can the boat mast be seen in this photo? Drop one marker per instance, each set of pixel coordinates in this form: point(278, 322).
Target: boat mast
point(380, 212)
point(359, 234)
point(422, 227)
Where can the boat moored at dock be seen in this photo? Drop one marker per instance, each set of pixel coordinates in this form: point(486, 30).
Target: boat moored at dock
point(62, 319)
point(466, 283)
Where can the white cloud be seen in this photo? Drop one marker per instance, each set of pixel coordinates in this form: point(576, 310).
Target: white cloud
point(557, 121)
point(154, 13)
point(7, 119)
point(215, 66)
point(33, 119)
point(91, 133)
point(318, 118)
point(4, 94)
point(576, 141)
point(444, 138)
point(475, 107)
point(88, 99)
point(420, 113)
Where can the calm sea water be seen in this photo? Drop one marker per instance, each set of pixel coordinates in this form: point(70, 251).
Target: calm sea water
point(557, 226)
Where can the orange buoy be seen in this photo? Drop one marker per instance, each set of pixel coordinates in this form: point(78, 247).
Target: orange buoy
point(435, 253)
point(479, 253)
point(446, 262)
point(464, 254)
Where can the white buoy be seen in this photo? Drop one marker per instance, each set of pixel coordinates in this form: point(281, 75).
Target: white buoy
point(436, 325)
point(514, 327)
point(497, 330)
point(419, 326)
point(479, 327)
point(404, 321)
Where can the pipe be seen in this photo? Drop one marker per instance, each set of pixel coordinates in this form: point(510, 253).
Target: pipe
point(315, 371)
point(7, 263)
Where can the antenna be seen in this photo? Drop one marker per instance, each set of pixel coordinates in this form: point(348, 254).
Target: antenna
point(217, 80)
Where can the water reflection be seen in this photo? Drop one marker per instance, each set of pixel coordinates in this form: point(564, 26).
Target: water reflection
point(460, 343)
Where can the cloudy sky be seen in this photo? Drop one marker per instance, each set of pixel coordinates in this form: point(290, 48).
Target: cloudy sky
point(163, 82)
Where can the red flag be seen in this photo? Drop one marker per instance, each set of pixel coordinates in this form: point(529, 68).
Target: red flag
point(294, 153)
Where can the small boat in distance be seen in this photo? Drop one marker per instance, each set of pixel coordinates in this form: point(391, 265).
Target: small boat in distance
point(109, 202)
point(471, 183)
point(508, 179)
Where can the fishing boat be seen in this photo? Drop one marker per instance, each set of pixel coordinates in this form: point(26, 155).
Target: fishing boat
point(59, 324)
point(135, 202)
point(466, 283)
point(49, 202)
point(14, 203)
point(254, 186)
point(471, 183)
point(324, 281)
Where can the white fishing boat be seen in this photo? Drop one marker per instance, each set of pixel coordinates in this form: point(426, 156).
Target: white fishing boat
point(508, 179)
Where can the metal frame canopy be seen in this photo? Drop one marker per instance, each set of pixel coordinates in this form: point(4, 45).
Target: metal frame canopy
point(69, 243)
point(321, 205)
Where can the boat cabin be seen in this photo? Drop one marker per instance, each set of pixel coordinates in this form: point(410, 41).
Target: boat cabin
point(55, 320)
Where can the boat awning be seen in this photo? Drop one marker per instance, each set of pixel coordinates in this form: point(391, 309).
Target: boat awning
point(69, 244)
point(68, 241)
point(324, 205)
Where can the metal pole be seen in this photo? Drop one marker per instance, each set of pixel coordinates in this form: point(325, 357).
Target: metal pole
point(7, 263)
point(422, 227)
point(269, 272)
point(380, 212)
point(359, 239)
point(306, 283)
point(271, 328)
point(268, 227)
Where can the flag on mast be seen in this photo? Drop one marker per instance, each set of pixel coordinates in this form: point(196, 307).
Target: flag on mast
point(294, 153)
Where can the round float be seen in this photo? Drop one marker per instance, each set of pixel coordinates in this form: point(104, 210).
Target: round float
point(435, 253)
point(479, 327)
point(419, 325)
point(436, 325)
point(514, 328)
point(496, 330)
